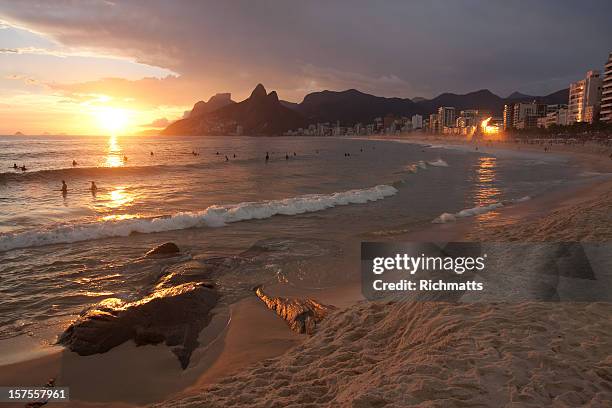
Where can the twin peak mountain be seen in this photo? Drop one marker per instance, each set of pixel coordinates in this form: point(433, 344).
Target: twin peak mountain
point(263, 113)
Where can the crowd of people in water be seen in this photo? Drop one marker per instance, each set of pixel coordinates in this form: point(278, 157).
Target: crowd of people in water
point(93, 188)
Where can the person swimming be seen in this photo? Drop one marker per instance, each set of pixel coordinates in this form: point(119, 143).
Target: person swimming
point(64, 187)
point(74, 163)
point(267, 156)
point(15, 166)
point(294, 154)
point(234, 155)
point(93, 187)
point(286, 156)
point(152, 154)
point(125, 158)
point(23, 168)
point(226, 158)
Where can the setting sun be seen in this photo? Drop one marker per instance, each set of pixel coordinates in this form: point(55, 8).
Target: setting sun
point(113, 120)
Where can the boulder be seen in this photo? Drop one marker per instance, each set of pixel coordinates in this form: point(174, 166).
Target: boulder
point(302, 315)
point(173, 315)
point(168, 248)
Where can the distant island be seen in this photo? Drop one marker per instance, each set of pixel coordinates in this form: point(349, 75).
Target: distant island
point(18, 134)
point(262, 113)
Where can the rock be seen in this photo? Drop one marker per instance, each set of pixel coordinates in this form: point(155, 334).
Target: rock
point(302, 315)
point(173, 315)
point(168, 248)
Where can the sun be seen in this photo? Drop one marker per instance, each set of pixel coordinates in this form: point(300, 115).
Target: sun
point(113, 120)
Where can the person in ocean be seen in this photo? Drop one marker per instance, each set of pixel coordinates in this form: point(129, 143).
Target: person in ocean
point(152, 154)
point(23, 168)
point(226, 158)
point(64, 187)
point(286, 156)
point(267, 156)
point(125, 159)
point(74, 163)
point(93, 188)
point(15, 166)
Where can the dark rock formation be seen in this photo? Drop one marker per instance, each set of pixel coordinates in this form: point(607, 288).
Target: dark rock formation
point(260, 114)
point(173, 315)
point(168, 248)
point(302, 315)
point(215, 102)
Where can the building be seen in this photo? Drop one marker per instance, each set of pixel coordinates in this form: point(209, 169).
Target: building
point(605, 115)
point(556, 117)
point(584, 98)
point(522, 111)
point(446, 115)
point(508, 116)
point(434, 123)
point(417, 122)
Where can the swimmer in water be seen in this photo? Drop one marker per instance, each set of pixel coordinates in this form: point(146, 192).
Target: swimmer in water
point(93, 188)
point(74, 163)
point(15, 166)
point(226, 158)
point(125, 158)
point(294, 154)
point(267, 156)
point(23, 168)
point(286, 156)
point(64, 188)
point(234, 155)
point(152, 154)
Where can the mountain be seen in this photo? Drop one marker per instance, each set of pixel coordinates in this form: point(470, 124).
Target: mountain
point(215, 102)
point(483, 100)
point(259, 114)
point(352, 106)
point(518, 95)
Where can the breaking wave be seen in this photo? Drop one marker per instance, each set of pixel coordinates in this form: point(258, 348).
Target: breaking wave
point(471, 212)
point(213, 216)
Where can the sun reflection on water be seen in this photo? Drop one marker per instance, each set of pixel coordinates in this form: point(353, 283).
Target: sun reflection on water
point(486, 192)
point(114, 157)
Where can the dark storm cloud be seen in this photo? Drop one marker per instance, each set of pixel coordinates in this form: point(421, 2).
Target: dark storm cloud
point(395, 48)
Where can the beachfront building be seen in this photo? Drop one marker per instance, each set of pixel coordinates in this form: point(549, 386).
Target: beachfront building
point(584, 98)
point(417, 122)
point(446, 115)
point(557, 117)
point(509, 116)
point(605, 114)
point(523, 114)
point(434, 123)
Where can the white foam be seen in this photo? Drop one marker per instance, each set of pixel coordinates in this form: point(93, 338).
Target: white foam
point(471, 212)
point(214, 216)
point(438, 163)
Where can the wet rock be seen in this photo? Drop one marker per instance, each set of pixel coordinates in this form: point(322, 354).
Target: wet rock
point(302, 315)
point(174, 316)
point(168, 248)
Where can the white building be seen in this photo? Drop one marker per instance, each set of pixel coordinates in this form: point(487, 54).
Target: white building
point(606, 93)
point(446, 116)
point(584, 98)
point(417, 122)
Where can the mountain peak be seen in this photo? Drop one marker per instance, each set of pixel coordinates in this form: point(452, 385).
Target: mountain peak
point(273, 96)
point(259, 91)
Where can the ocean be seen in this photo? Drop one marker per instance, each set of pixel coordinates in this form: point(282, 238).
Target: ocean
point(305, 210)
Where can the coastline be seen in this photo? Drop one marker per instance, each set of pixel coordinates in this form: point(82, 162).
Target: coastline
point(274, 345)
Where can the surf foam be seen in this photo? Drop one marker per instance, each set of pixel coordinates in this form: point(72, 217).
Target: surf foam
point(213, 216)
point(471, 212)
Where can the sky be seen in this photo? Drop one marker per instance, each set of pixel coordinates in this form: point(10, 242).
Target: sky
point(69, 66)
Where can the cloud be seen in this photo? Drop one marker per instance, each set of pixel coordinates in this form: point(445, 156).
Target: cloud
point(157, 123)
point(393, 48)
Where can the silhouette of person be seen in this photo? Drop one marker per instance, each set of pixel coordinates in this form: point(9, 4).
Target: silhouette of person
point(152, 154)
point(286, 156)
point(93, 188)
point(23, 168)
point(226, 158)
point(267, 156)
point(15, 166)
point(64, 188)
point(74, 163)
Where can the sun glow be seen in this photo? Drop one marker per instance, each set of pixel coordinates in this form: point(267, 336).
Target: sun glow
point(113, 120)
point(488, 129)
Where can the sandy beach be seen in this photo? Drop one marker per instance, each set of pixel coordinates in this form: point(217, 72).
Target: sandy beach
point(386, 354)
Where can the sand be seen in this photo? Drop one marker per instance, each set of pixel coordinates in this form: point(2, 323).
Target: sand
point(372, 354)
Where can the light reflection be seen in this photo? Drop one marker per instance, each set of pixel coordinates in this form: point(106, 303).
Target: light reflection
point(114, 156)
point(119, 197)
point(118, 217)
point(486, 192)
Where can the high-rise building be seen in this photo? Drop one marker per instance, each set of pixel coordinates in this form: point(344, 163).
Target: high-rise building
point(508, 116)
point(446, 115)
point(417, 122)
point(434, 123)
point(521, 111)
point(584, 98)
point(606, 93)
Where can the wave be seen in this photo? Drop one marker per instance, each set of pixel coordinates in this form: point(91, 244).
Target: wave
point(471, 212)
point(438, 163)
point(213, 216)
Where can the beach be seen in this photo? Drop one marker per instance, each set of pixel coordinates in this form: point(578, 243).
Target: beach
point(382, 353)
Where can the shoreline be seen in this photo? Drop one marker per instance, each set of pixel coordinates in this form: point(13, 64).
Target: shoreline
point(254, 334)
